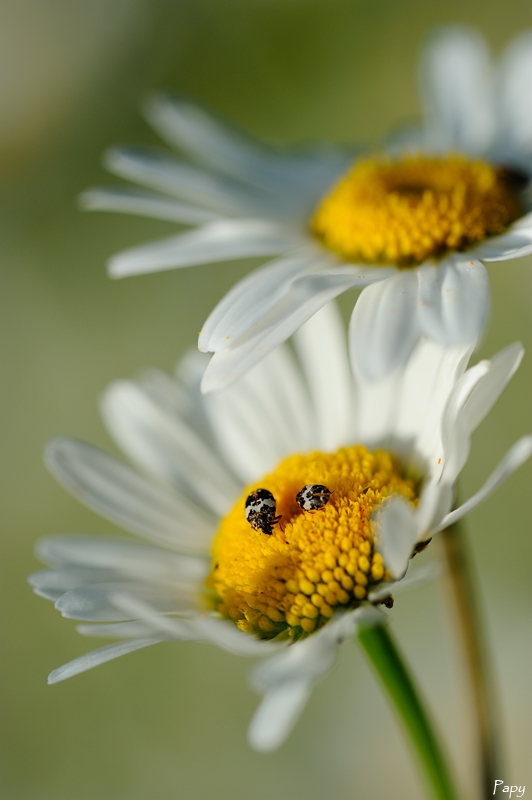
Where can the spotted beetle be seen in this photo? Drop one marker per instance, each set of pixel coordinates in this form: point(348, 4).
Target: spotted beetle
point(313, 496)
point(260, 510)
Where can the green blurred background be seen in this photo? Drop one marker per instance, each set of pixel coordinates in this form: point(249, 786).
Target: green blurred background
point(170, 722)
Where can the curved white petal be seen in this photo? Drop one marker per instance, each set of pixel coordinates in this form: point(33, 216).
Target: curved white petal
point(414, 579)
point(307, 295)
point(456, 89)
point(454, 300)
point(471, 399)
point(397, 532)
point(107, 653)
point(436, 501)
point(277, 714)
point(217, 241)
point(455, 437)
point(384, 326)
point(119, 493)
point(514, 244)
point(287, 678)
point(514, 105)
point(488, 390)
point(514, 458)
point(167, 447)
point(126, 200)
point(252, 297)
point(321, 347)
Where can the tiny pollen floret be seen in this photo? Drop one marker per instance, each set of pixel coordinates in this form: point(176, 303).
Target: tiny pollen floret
point(418, 207)
point(320, 556)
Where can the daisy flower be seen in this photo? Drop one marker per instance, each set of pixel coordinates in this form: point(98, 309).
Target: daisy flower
point(278, 514)
point(416, 221)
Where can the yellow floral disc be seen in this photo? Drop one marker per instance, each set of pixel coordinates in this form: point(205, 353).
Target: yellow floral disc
point(292, 580)
point(403, 212)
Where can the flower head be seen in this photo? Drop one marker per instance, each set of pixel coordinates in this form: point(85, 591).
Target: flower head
point(349, 492)
point(442, 200)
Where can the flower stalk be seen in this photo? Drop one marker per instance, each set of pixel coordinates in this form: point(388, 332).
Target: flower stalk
point(462, 589)
point(398, 683)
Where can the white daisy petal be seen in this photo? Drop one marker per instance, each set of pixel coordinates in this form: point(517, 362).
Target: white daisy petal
point(398, 533)
point(523, 224)
point(315, 655)
point(117, 630)
point(215, 143)
point(287, 678)
point(514, 458)
point(384, 327)
point(130, 558)
point(125, 200)
point(218, 241)
point(414, 579)
point(52, 583)
point(454, 436)
point(249, 423)
point(456, 90)
point(277, 714)
point(421, 392)
point(252, 297)
point(95, 603)
point(123, 496)
point(222, 195)
point(147, 594)
point(307, 295)
point(454, 300)
point(321, 347)
point(513, 102)
point(107, 653)
point(488, 390)
point(210, 630)
point(470, 401)
point(436, 501)
point(514, 244)
point(166, 446)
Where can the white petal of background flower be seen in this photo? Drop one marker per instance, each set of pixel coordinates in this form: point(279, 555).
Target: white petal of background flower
point(217, 241)
point(253, 297)
point(200, 135)
point(454, 300)
point(146, 204)
point(456, 91)
point(307, 295)
point(514, 110)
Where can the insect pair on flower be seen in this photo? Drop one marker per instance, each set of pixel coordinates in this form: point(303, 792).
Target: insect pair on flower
point(260, 506)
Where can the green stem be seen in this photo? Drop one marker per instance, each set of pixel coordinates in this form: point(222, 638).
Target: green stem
point(398, 684)
point(471, 634)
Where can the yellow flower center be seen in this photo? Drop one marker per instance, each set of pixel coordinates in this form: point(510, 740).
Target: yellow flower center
point(313, 561)
point(403, 212)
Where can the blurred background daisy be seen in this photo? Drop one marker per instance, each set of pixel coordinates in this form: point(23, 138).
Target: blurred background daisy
point(172, 724)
